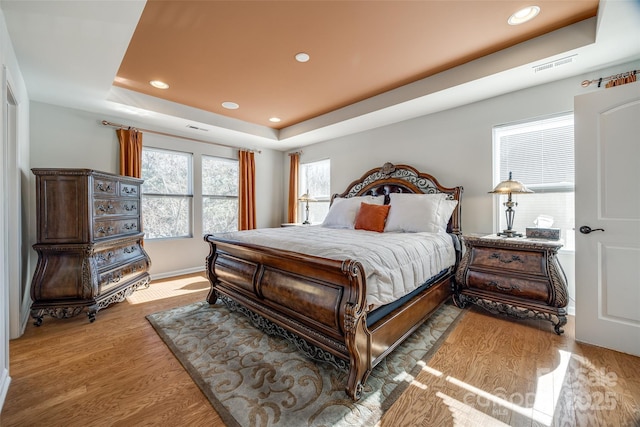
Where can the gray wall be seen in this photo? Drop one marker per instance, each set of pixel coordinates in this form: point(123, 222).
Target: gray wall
point(456, 147)
point(67, 138)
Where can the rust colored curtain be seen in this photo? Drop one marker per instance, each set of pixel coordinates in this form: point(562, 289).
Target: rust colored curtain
point(292, 211)
point(130, 152)
point(247, 197)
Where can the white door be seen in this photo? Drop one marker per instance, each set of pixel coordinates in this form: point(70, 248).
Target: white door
point(607, 150)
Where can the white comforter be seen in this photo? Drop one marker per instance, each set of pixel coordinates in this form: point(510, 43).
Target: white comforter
point(394, 263)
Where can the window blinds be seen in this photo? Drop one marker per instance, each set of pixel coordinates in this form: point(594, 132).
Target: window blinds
point(539, 153)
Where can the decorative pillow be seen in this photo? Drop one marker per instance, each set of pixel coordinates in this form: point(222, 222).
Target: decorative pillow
point(419, 212)
point(343, 211)
point(371, 217)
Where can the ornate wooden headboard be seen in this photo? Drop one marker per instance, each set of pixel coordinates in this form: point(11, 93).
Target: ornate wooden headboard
point(392, 178)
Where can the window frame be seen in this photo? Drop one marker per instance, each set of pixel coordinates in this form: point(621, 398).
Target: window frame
point(521, 127)
point(217, 196)
point(189, 195)
point(302, 189)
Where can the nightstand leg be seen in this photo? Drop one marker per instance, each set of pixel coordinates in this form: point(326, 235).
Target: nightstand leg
point(562, 320)
point(459, 301)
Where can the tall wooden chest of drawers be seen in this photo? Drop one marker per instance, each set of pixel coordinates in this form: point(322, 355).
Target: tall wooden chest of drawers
point(519, 277)
point(89, 242)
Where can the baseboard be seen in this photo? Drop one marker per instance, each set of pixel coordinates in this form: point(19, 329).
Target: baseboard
point(177, 273)
point(5, 380)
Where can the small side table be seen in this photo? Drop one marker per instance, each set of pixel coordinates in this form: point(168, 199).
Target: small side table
point(519, 277)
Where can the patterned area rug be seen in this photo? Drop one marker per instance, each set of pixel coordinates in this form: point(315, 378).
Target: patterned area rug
point(255, 379)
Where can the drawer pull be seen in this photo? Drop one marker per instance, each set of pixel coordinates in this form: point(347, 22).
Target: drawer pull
point(130, 208)
point(102, 208)
point(103, 230)
point(115, 278)
point(130, 250)
point(503, 288)
point(100, 186)
point(513, 258)
point(131, 226)
point(129, 190)
point(106, 257)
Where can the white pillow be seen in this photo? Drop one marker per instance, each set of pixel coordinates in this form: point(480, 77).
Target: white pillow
point(444, 213)
point(343, 211)
point(419, 212)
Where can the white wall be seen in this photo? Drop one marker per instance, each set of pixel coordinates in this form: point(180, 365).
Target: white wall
point(67, 138)
point(456, 147)
point(14, 163)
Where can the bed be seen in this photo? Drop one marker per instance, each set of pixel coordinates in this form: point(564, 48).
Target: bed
point(320, 303)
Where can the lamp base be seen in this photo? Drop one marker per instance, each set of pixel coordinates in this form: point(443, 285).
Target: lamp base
point(510, 233)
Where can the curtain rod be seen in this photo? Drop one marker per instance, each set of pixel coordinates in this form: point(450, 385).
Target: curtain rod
point(586, 83)
point(117, 125)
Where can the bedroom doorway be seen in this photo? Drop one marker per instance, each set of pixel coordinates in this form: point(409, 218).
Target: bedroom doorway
point(608, 218)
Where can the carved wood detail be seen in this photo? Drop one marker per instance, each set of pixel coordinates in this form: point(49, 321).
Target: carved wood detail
point(89, 242)
point(521, 278)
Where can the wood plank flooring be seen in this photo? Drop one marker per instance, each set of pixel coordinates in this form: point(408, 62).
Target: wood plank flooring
point(490, 371)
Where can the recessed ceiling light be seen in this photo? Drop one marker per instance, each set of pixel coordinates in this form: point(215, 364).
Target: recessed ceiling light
point(158, 84)
point(230, 105)
point(275, 119)
point(524, 15)
point(302, 57)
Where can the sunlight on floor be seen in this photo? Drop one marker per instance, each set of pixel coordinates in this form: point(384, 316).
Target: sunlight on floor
point(465, 415)
point(548, 390)
point(538, 406)
point(169, 288)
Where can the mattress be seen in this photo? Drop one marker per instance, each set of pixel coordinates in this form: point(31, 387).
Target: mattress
point(395, 264)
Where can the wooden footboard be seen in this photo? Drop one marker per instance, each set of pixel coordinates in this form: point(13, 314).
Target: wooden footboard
point(321, 301)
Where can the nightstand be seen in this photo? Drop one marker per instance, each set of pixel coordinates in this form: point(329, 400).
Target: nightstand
point(518, 277)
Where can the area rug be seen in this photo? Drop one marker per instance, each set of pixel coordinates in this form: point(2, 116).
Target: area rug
point(255, 379)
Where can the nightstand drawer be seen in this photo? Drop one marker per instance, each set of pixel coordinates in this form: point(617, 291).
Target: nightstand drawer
point(509, 285)
point(518, 277)
point(512, 260)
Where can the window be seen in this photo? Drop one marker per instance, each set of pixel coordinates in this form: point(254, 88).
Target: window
point(541, 155)
point(167, 193)
point(219, 194)
point(315, 179)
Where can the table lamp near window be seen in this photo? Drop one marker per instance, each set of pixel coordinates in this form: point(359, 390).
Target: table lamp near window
point(510, 187)
point(306, 197)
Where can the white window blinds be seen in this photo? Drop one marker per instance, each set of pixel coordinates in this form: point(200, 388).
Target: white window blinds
point(540, 154)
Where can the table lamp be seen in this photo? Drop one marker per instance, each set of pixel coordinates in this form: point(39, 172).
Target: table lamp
point(510, 187)
point(306, 197)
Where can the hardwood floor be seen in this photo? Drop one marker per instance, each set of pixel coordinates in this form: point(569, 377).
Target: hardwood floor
point(490, 371)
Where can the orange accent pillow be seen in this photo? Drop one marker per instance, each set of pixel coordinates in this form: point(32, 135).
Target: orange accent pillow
point(372, 217)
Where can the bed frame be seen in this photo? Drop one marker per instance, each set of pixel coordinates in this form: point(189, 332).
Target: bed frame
point(319, 304)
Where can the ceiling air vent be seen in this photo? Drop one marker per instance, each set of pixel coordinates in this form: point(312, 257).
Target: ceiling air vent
point(554, 64)
point(197, 128)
